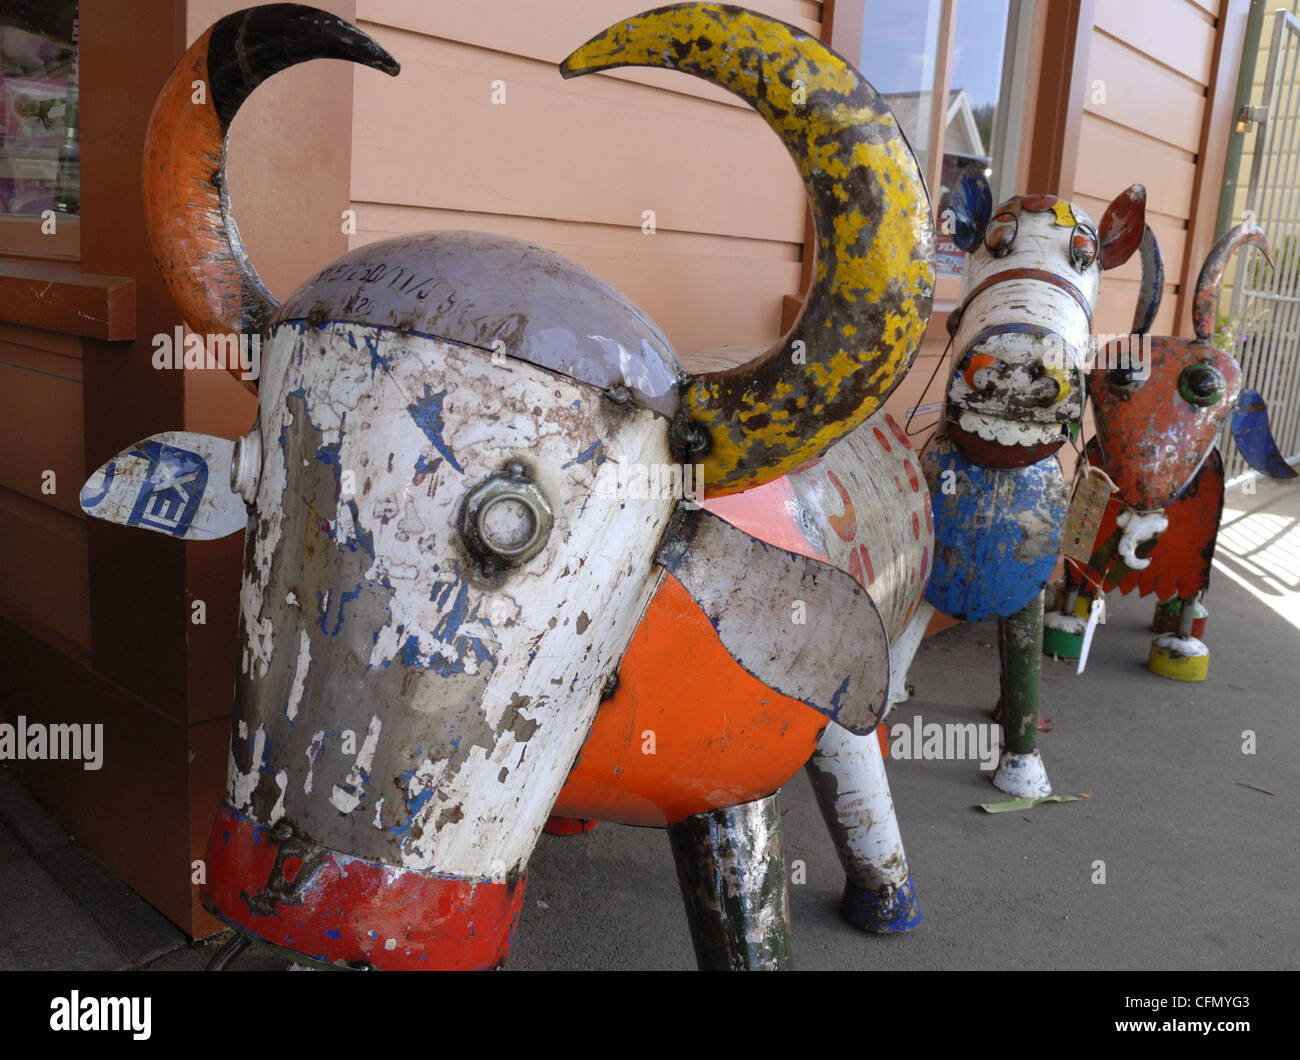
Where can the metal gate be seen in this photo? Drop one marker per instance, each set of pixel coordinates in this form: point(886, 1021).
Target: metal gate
point(1266, 302)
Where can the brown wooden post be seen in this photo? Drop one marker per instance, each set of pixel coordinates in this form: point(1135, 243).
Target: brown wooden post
point(1212, 153)
point(1062, 84)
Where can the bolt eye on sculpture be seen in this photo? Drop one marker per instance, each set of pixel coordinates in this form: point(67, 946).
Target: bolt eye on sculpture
point(1156, 438)
point(431, 562)
point(1015, 395)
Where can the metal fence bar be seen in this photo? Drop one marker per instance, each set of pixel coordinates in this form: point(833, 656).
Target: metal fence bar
point(1284, 315)
point(1279, 198)
point(1261, 365)
point(1269, 305)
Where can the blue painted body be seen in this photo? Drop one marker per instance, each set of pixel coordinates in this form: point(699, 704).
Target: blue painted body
point(997, 533)
point(1254, 439)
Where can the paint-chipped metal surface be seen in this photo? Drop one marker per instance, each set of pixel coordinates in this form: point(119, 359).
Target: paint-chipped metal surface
point(1154, 429)
point(1023, 329)
point(848, 777)
point(175, 483)
point(352, 912)
point(1154, 433)
point(867, 311)
point(500, 295)
point(1153, 282)
point(863, 507)
point(720, 736)
point(1254, 438)
point(1179, 564)
point(438, 585)
point(1020, 656)
point(997, 532)
point(732, 875)
point(366, 615)
point(759, 600)
point(1208, 281)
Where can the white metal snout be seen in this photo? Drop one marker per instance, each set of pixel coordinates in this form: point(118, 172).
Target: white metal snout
point(1139, 528)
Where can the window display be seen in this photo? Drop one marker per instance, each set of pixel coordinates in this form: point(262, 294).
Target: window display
point(40, 158)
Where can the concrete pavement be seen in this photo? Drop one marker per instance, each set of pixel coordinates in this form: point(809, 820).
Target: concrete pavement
point(1200, 872)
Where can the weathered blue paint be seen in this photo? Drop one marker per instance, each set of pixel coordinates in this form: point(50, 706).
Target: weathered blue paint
point(89, 499)
point(1153, 280)
point(838, 696)
point(427, 413)
point(371, 340)
point(169, 497)
point(996, 533)
point(972, 205)
point(890, 912)
point(585, 455)
point(413, 804)
point(1254, 438)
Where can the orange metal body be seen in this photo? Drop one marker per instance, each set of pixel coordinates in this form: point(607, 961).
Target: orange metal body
point(720, 736)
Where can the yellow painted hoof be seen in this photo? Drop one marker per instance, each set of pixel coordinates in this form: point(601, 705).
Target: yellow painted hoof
point(1178, 658)
point(1082, 605)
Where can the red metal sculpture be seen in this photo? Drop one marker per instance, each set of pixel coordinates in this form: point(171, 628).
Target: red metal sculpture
point(1158, 420)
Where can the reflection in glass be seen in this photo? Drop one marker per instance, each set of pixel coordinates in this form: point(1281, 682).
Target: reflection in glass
point(40, 154)
point(900, 49)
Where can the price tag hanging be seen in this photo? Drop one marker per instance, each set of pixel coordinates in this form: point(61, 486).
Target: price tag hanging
point(1094, 616)
point(1092, 489)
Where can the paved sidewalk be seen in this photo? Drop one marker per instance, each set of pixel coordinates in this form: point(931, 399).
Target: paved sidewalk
point(1200, 871)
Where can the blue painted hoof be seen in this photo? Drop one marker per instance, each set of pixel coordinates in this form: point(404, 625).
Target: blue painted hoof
point(886, 911)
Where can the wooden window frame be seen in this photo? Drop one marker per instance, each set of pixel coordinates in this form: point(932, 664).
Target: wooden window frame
point(42, 285)
point(842, 25)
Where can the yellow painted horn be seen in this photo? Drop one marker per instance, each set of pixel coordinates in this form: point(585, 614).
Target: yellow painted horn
point(869, 305)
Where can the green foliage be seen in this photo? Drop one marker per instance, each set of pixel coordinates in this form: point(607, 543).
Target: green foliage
point(984, 115)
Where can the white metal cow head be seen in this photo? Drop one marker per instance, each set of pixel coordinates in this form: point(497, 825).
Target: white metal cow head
point(437, 584)
point(1022, 334)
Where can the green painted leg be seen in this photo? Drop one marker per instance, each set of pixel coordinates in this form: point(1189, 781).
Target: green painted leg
point(1063, 629)
point(1020, 650)
point(733, 881)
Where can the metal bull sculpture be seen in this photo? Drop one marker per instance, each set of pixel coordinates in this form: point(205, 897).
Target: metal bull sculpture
point(437, 587)
point(1157, 427)
point(863, 507)
point(1016, 393)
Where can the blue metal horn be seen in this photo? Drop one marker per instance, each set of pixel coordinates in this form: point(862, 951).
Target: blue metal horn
point(1250, 430)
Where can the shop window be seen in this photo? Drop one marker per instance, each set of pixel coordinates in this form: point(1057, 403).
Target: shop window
point(953, 72)
point(40, 172)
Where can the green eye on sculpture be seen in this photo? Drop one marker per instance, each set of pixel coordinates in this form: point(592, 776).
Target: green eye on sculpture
point(1201, 384)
